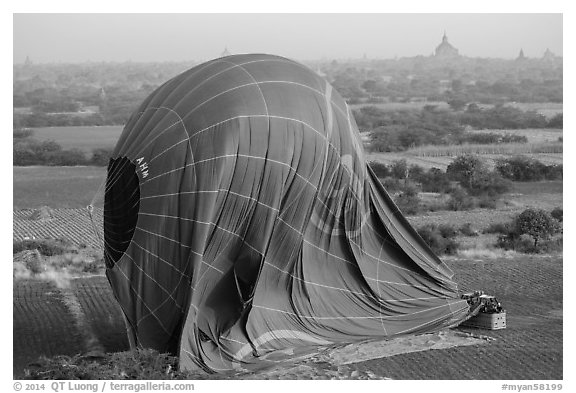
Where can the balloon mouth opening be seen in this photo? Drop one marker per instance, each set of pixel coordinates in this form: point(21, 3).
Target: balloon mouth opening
point(121, 206)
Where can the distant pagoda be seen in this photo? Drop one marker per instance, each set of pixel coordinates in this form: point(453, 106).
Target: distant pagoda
point(521, 55)
point(445, 49)
point(548, 55)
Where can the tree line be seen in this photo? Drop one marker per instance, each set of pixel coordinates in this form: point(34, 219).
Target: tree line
point(392, 131)
point(28, 151)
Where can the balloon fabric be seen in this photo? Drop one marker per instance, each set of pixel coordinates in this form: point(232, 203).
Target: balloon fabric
point(243, 225)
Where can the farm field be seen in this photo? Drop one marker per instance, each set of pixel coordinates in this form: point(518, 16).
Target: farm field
point(83, 138)
point(57, 187)
point(531, 347)
point(530, 290)
point(534, 135)
point(402, 106)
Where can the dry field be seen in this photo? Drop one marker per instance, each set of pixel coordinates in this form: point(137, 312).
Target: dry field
point(402, 106)
point(85, 138)
point(83, 316)
point(73, 225)
point(534, 135)
point(58, 187)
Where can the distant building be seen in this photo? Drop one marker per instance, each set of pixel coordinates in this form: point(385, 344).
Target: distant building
point(521, 55)
point(548, 55)
point(445, 49)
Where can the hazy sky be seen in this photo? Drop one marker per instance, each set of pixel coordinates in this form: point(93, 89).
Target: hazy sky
point(176, 37)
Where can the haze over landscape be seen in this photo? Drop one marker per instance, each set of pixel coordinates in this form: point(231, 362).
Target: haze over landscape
point(70, 38)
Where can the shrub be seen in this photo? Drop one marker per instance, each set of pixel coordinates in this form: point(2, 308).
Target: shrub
point(101, 157)
point(71, 157)
point(525, 245)
point(521, 168)
point(489, 184)
point(47, 247)
point(408, 201)
point(556, 121)
point(435, 180)
point(439, 244)
point(487, 202)
point(447, 231)
point(557, 213)
point(380, 170)
point(138, 364)
point(511, 138)
point(487, 138)
point(392, 185)
point(512, 241)
point(30, 151)
point(466, 230)
point(415, 172)
point(553, 172)
point(459, 200)
point(22, 133)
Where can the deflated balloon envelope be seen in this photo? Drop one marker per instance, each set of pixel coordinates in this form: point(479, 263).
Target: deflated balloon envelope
point(241, 220)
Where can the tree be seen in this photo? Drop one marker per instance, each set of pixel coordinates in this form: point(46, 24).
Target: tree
point(537, 223)
point(399, 169)
point(466, 169)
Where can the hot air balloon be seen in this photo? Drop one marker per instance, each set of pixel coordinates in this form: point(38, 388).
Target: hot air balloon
point(241, 220)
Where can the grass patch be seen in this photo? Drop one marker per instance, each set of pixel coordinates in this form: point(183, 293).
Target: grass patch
point(141, 364)
point(538, 187)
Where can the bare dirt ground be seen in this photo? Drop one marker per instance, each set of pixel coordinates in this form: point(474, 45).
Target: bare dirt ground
point(79, 317)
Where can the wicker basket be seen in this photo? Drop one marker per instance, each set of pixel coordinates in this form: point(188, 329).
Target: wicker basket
point(493, 321)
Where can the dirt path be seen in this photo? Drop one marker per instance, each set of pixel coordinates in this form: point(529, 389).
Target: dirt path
point(50, 321)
